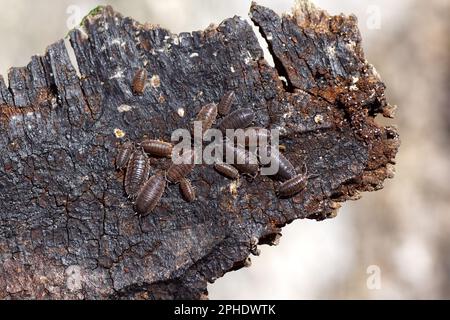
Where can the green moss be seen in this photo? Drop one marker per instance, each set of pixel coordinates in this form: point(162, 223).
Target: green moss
point(92, 13)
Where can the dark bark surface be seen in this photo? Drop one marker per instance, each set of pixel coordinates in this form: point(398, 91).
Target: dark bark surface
point(67, 230)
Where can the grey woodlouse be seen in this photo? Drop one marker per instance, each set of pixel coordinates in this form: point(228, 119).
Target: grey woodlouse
point(207, 115)
point(157, 148)
point(246, 162)
point(286, 169)
point(226, 103)
point(187, 190)
point(124, 154)
point(140, 81)
point(238, 119)
point(150, 194)
point(227, 170)
point(178, 171)
point(137, 172)
point(292, 186)
point(255, 135)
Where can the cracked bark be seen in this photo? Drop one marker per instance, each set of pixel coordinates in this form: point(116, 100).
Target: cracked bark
point(66, 228)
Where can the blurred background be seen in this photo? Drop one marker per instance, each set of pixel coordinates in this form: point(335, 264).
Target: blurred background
point(394, 243)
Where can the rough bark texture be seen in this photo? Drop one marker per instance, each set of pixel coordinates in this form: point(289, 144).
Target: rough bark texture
point(66, 228)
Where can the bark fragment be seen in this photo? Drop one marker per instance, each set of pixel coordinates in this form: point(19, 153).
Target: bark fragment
point(67, 230)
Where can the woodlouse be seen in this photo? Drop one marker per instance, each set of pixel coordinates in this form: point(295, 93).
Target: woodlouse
point(286, 169)
point(157, 148)
point(245, 161)
point(255, 135)
point(137, 172)
point(227, 170)
point(178, 171)
point(140, 81)
point(292, 186)
point(207, 115)
point(226, 103)
point(187, 190)
point(150, 194)
point(238, 119)
point(124, 154)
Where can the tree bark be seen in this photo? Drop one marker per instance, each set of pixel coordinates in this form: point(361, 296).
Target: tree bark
point(66, 228)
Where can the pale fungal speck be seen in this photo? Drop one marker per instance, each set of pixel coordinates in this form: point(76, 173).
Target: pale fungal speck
point(232, 69)
point(119, 133)
point(269, 36)
point(318, 119)
point(155, 81)
point(181, 112)
point(193, 55)
point(124, 108)
point(234, 187)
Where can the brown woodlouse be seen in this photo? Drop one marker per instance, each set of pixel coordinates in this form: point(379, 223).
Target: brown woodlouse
point(238, 119)
point(178, 171)
point(157, 148)
point(187, 190)
point(207, 115)
point(255, 135)
point(227, 170)
point(292, 186)
point(246, 162)
point(286, 169)
point(150, 194)
point(140, 81)
point(137, 172)
point(226, 103)
point(124, 154)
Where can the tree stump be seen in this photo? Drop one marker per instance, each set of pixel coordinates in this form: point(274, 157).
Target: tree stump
point(67, 230)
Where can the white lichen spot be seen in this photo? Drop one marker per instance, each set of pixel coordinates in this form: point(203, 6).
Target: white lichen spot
point(331, 51)
point(355, 79)
point(232, 69)
point(318, 119)
point(73, 280)
point(181, 112)
point(124, 108)
point(215, 53)
point(155, 81)
point(119, 133)
point(193, 55)
point(353, 88)
point(117, 75)
point(116, 41)
point(269, 36)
